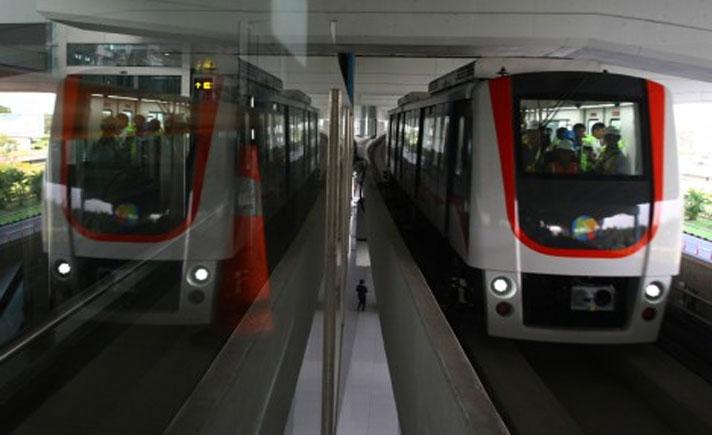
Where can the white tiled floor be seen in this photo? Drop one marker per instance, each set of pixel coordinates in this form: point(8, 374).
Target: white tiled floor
point(368, 406)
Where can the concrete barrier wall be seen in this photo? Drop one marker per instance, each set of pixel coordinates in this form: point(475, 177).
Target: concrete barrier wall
point(697, 275)
point(436, 389)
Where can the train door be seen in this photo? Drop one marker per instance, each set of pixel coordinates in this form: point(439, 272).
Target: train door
point(454, 142)
point(459, 176)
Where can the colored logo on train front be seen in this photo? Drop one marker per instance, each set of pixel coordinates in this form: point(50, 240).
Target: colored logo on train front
point(126, 214)
point(585, 228)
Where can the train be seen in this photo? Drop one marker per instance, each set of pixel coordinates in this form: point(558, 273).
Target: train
point(554, 186)
point(199, 180)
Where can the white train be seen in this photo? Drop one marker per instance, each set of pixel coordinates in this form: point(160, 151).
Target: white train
point(568, 236)
point(173, 189)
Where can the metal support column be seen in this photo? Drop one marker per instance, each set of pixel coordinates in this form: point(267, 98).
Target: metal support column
point(338, 194)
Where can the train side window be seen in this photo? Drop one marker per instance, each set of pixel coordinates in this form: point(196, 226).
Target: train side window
point(406, 136)
point(270, 137)
point(316, 139)
point(414, 137)
point(460, 142)
point(389, 143)
point(428, 139)
point(401, 142)
point(443, 139)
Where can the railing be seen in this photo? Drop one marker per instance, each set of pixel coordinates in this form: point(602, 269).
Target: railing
point(21, 229)
point(692, 303)
point(697, 247)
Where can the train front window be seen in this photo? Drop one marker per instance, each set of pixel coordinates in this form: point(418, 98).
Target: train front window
point(131, 177)
point(583, 181)
point(579, 137)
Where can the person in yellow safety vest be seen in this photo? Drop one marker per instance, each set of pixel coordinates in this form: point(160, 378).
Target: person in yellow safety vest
point(579, 133)
point(591, 146)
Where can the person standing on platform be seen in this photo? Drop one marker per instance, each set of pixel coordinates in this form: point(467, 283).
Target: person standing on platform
point(361, 289)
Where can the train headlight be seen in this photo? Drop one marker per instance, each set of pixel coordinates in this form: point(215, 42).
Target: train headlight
point(502, 286)
point(653, 291)
point(199, 275)
point(63, 268)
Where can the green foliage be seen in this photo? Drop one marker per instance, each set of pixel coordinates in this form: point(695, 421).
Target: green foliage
point(18, 185)
point(4, 109)
point(35, 182)
point(695, 204)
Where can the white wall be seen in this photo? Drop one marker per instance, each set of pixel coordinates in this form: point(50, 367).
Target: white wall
point(19, 12)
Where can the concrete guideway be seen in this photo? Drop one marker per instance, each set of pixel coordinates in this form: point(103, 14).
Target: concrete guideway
point(451, 398)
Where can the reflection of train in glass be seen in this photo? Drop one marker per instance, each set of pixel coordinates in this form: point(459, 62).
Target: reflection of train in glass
point(557, 190)
point(138, 176)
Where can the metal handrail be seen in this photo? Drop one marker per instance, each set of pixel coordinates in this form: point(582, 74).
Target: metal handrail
point(693, 295)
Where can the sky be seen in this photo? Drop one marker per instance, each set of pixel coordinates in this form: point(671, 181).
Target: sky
point(28, 102)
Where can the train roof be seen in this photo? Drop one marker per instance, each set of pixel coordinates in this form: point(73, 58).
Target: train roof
point(485, 69)
point(458, 80)
point(297, 95)
point(412, 97)
point(259, 76)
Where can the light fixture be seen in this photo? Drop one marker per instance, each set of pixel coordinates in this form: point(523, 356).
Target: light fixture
point(63, 268)
point(501, 286)
point(504, 309)
point(653, 291)
point(649, 314)
point(199, 275)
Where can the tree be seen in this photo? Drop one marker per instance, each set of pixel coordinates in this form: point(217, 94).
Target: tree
point(695, 202)
point(35, 181)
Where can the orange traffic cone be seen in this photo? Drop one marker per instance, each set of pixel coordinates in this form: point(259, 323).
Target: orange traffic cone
point(244, 301)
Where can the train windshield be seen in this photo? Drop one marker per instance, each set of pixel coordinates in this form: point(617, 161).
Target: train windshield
point(584, 178)
point(577, 137)
point(130, 171)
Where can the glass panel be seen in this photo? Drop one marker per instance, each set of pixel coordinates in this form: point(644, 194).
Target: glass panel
point(126, 177)
point(554, 138)
point(123, 55)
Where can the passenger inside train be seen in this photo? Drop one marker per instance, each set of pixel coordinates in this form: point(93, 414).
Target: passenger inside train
point(611, 148)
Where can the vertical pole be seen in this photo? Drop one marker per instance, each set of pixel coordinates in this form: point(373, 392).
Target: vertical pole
point(328, 404)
